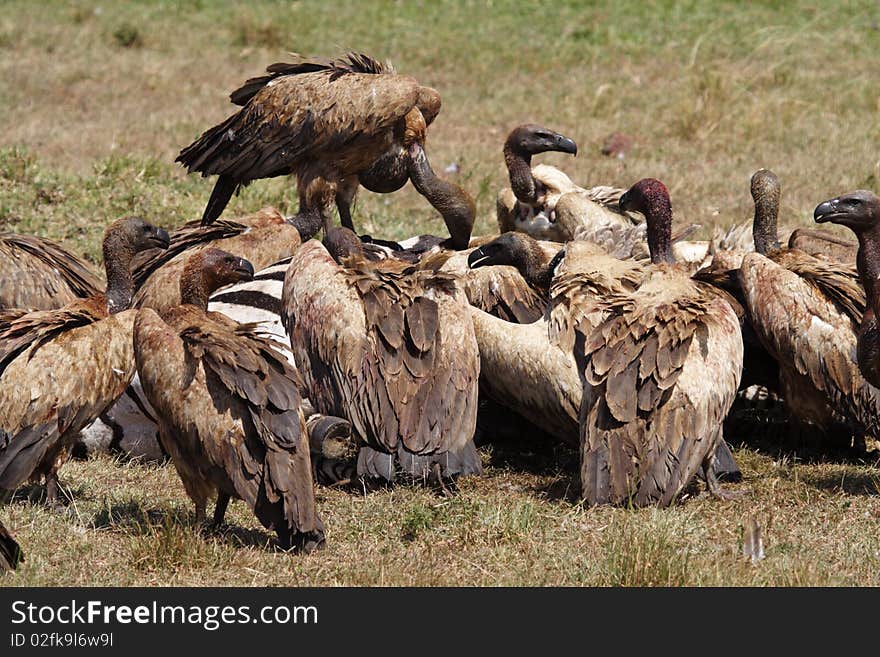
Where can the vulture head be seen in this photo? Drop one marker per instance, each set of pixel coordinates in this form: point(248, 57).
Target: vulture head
point(341, 243)
point(858, 211)
point(650, 197)
point(519, 250)
point(209, 270)
point(765, 193)
point(531, 139)
point(123, 239)
point(131, 235)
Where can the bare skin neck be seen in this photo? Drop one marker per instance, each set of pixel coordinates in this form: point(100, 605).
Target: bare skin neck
point(519, 170)
point(868, 262)
point(117, 262)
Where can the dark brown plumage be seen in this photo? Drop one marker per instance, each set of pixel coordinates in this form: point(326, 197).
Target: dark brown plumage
point(325, 122)
point(10, 552)
point(390, 347)
point(228, 406)
point(39, 274)
point(662, 367)
point(806, 311)
point(262, 238)
point(59, 369)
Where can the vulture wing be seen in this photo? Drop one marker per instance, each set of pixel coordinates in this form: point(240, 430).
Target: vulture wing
point(229, 410)
point(56, 376)
point(38, 273)
point(387, 345)
point(332, 114)
point(661, 375)
point(811, 332)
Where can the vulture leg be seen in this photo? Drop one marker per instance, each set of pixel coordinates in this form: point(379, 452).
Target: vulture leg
point(220, 509)
point(714, 486)
point(52, 489)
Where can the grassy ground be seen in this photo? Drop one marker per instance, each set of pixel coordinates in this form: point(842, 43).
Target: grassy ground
point(99, 97)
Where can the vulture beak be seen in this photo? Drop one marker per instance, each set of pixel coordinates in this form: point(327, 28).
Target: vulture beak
point(827, 211)
point(245, 269)
point(565, 145)
point(476, 257)
point(162, 237)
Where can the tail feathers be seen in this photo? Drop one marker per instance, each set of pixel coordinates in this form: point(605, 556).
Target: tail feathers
point(10, 552)
point(224, 188)
point(23, 452)
point(453, 464)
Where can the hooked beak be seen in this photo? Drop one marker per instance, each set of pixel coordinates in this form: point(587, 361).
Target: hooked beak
point(244, 269)
point(476, 257)
point(827, 211)
point(565, 145)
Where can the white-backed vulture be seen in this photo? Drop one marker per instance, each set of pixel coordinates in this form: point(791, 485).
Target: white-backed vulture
point(326, 122)
point(129, 427)
point(60, 369)
point(531, 368)
point(39, 274)
point(228, 406)
point(262, 238)
point(860, 212)
point(806, 311)
point(662, 367)
point(391, 348)
point(10, 551)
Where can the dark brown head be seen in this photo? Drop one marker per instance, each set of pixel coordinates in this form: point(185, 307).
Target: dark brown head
point(209, 270)
point(122, 240)
point(765, 193)
point(859, 211)
point(650, 197)
point(342, 242)
point(518, 250)
point(531, 139)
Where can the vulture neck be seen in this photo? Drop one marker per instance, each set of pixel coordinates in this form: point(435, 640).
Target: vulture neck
point(868, 263)
point(764, 227)
point(519, 170)
point(451, 201)
point(308, 222)
point(535, 268)
point(868, 346)
point(117, 266)
point(658, 217)
point(194, 288)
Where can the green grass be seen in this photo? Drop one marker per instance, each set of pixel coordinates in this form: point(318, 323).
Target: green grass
point(99, 98)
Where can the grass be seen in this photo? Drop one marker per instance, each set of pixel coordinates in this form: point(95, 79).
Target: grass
point(100, 97)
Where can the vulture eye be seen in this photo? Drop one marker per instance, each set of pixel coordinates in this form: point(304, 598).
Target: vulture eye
point(854, 202)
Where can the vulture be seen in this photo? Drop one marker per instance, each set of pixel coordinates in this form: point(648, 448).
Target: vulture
point(39, 274)
point(662, 365)
point(129, 426)
point(806, 311)
point(262, 238)
point(531, 368)
point(333, 124)
point(60, 369)
point(391, 348)
point(860, 212)
point(228, 406)
point(543, 202)
point(10, 552)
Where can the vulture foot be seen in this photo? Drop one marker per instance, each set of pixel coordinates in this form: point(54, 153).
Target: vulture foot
point(715, 489)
